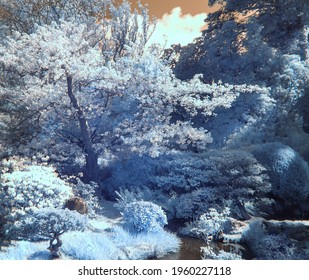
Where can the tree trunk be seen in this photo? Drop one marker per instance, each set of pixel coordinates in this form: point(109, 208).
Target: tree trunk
point(92, 167)
point(305, 110)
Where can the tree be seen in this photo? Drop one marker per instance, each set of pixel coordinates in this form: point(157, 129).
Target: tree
point(84, 44)
point(245, 42)
point(50, 224)
point(281, 21)
point(24, 15)
point(258, 43)
point(90, 104)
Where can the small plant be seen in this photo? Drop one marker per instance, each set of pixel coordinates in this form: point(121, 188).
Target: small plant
point(144, 216)
point(209, 254)
point(209, 226)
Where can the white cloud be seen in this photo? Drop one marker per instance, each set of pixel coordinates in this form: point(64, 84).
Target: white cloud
point(174, 28)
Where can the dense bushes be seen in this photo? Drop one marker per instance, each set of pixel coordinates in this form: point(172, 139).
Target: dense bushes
point(25, 188)
point(268, 246)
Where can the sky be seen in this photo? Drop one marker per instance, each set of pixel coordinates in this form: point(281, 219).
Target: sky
point(159, 7)
point(179, 21)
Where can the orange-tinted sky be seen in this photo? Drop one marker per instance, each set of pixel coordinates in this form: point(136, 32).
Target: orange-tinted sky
point(160, 7)
point(179, 21)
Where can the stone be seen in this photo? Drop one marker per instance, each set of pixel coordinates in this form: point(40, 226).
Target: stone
point(78, 204)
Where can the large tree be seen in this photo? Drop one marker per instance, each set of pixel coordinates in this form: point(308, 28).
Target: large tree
point(24, 15)
point(97, 97)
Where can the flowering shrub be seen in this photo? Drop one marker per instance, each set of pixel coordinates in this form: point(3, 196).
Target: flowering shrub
point(29, 188)
point(143, 216)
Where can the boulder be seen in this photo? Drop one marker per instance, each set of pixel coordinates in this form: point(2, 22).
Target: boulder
point(78, 204)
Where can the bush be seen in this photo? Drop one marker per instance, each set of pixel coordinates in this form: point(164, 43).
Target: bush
point(289, 173)
point(131, 174)
point(191, 205)
point(210, 254)
point(118, 244)
point(267, 246)
point(28, 188)
point(49, 224)
point(89, 245)
point(143, 216)
point(209, 225)
point(25, 250)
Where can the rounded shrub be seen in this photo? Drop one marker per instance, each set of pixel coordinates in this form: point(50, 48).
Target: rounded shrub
point(144, 216)
point(288, 172)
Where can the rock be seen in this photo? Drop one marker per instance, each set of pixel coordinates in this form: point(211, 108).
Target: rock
point(78, 204)
point(234, 230)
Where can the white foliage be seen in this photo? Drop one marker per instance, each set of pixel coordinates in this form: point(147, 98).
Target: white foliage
point(128, 103)
point(268, 246)
point(210, 254)
point(209, 224)
point(144, 216)
point(288, 171)
point(25, 250)
point(48, 223)
point(118, 244)
point(32, 187)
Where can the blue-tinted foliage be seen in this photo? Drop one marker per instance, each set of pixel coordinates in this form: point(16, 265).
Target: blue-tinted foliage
point(144, 216)
point(118, 244)
point(270, 246)
point(289, 173)
point(25, 250)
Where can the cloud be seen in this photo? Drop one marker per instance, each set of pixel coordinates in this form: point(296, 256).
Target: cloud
point(174, 28)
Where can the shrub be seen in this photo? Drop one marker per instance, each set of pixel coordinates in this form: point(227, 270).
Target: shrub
point(210, 254)
point(289, 173)
point(209, 225)
point(118, 244)
point(25, 250)
point(143, 216)
point(133, 173)
point(49, 223)
point(268, 246)
point(146, 244)
point(88, 245)
point(29, 188)
point(191, 205)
